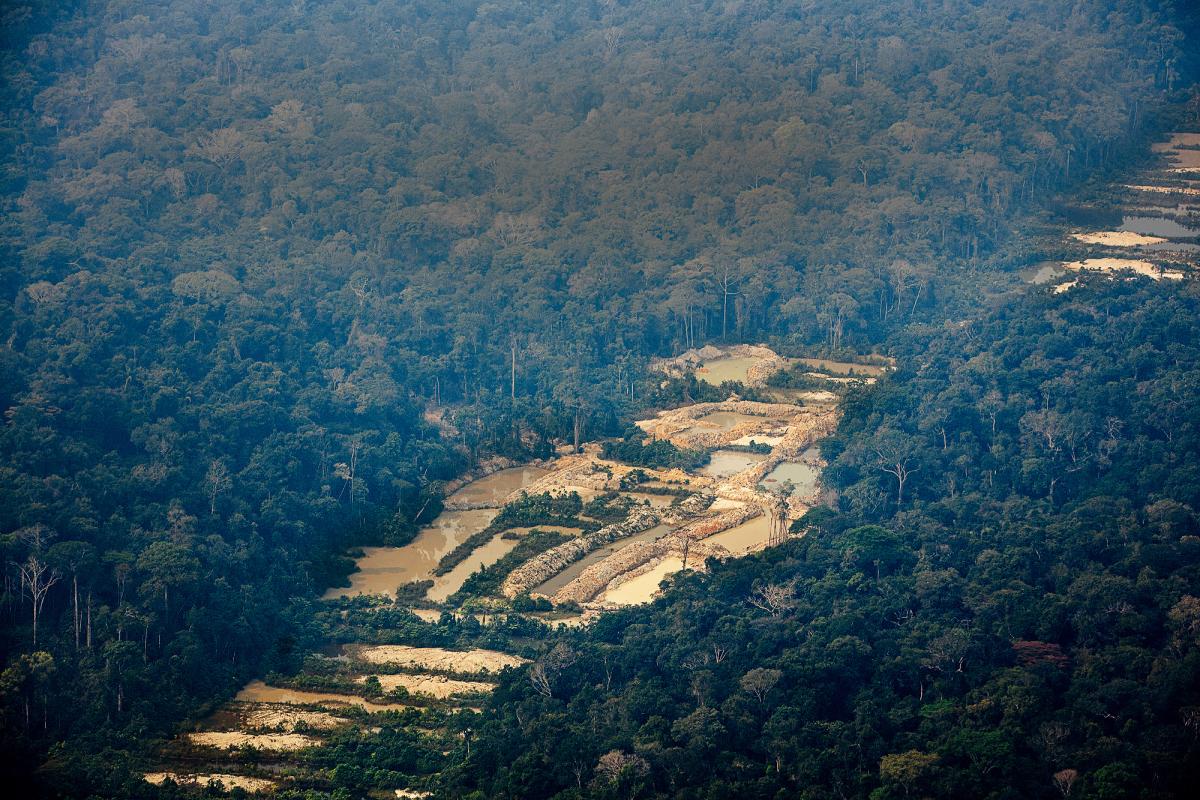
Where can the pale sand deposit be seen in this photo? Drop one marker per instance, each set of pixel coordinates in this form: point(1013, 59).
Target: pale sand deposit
point(468, 661)
point(259, 692)
point(227, 740)
point(641, 589)
point(430, 685)
point(203, 779)
point(1117, 238)
point(1166, 189)
point(272, 716)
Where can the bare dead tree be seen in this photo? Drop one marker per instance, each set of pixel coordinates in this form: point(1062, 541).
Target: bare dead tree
point(726, 284)
point(772, 598)
point(1064, 781)
point(540, 680)
point(36, 580)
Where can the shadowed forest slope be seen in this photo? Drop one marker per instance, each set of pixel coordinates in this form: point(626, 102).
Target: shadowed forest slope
point(271, 273)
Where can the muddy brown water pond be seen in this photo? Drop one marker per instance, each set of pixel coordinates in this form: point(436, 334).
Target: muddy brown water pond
point(743, 538)
point(642, 588)
point(654, 500)
point(843, 367)
point(495, 549)
point(382, 569)
point(495, 488)
point(802, 476)
point(724, 463)
point(551, 586)
point(1158, 226)
point(726, 420)
point(720, 370)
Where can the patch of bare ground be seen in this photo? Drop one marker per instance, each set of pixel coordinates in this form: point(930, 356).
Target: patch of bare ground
point(228, 740)
point(544, 566)
point(589, 475)
point(227, 781)
point(686, 427)
point(741, 499)
point(278, 716)
point(437, 686)
point(1117, 238)
point(842, 379)
point(762, 361)
point(1146, 268)
point(1184, 190)
point(642, 585)
point(467, 662)
point(259, 692)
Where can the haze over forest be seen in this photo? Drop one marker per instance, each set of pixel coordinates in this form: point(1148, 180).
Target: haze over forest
point(615, 399)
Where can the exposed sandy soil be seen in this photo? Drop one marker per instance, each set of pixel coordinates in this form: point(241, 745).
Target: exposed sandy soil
point(843, 379)
point(431, 685)
point(202, 779)
point(259, 692)
point(725, 504)
point(226, 740)
point(848, 367)
point(466, 662)
point(685, 427)
point(753, 363)
point(1117, 238)
point(642, 587)
point(1166, 189)
point(738, 499)
point(1116, 264)
point(590, 475)
point(273, 716)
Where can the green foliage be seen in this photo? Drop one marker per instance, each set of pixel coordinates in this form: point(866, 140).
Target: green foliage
point(526, 511)
point(983, 638)
point(487, 581)
point(633, 449)
point(270, 273)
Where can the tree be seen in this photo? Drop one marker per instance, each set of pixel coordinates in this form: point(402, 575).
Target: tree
point(774, 598)
point(727, 282)
point(74, 558)
point(760, 681)
point(895, 453)
point(167, 565)
point(37, 575)
point(906, 768)
point(216, 483)
point(1064, 781)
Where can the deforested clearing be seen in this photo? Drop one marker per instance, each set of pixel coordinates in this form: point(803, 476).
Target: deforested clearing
point(642, 588)
point(259, 692)
point(1145, 268)
point(227, 781)
point(269, 717)
point(431, 685)
point(1117, 238)
point(228, 740)
point(436, 658)
point(1165, 189)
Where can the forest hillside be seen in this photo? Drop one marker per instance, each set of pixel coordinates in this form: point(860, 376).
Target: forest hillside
point(272, 273)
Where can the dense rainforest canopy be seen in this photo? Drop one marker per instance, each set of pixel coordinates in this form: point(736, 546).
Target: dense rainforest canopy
point(272, 272)
point(1024, 622)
